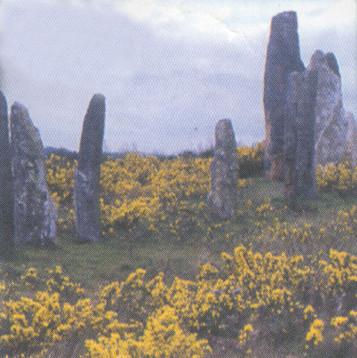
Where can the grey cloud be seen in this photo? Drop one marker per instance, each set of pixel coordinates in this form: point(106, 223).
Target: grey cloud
point(163, 93)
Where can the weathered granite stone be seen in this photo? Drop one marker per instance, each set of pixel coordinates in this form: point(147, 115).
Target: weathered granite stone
point(223, 196)
point(34, 211)
point(332, 63)
point(87, 173)
point(331, 122)
point(6, 190)
point(282, 58)
point(299, 136)
point(350, 148)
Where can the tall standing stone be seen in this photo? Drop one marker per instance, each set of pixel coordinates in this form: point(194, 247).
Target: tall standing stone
point(34, 211)
point(350, 148)
point(299, 138)
point(87, 173)
point(282, 58)
point(333, 125)
point(223, 196)
point(6, 189)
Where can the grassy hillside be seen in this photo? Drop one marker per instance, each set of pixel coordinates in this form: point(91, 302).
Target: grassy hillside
point(159, 286)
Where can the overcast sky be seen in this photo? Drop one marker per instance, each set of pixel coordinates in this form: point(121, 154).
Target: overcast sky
point(169, 69)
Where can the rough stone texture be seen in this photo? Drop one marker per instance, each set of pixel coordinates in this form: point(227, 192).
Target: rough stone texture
point(350, 148)
point(223, 196)
point(282, 58)
point(6, 190)
point(331, 122)
point(299, 136)
point(87, 173)
point(34, 211)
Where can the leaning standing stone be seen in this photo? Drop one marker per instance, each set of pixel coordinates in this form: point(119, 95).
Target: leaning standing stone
point(223, 196)
point(34, 211)
point(282, 58)
point(6, 193)
point(299, 141)
point(87, 173)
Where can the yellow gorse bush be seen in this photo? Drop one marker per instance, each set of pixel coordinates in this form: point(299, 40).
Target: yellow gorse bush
point(167, 196)
point(341, 178)
point(346, 328)
point(163, 337)
point(250, 296)
point(32, 324)
point(275, 294)
point(341, 226)
point(158, 196)
point(251, 159)
point(314, 335)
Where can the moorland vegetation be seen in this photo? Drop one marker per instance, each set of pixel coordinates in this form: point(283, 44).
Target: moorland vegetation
point(170, 280)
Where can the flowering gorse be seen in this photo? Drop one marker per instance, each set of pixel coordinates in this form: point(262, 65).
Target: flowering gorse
point(255, 295)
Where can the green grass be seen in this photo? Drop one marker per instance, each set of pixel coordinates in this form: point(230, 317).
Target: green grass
point(99, 264)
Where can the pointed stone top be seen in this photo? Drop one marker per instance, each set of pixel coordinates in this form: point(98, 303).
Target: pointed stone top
point(96, 108)
point(284, 21)
point(224, 134)
point(97, 103)
point(287, 15)
point(224, 123)
point(93, 128)
point(284, 29)
point(319, 58)
point(19, 109)
point(26, 133)
point(98, 97)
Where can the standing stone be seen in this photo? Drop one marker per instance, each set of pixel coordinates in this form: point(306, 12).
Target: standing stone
point(332, 124)
point(34, 211)
point(223, 196)
point(350, 148)
point(299, 137)
point(87, 173)
point(282, 58)
point(6, 190)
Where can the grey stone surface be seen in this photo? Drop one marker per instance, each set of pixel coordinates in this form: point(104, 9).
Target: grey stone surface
point(282, 58)
point(350, 148)
point(299, 138)
point(87, 173)
point(34, 211)
point(6, 189)
point(331, 122)
point(223, 196)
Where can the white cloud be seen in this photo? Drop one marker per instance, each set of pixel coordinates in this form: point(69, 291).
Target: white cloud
point(151, 11)
point(176, 19)
point(231, 18)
